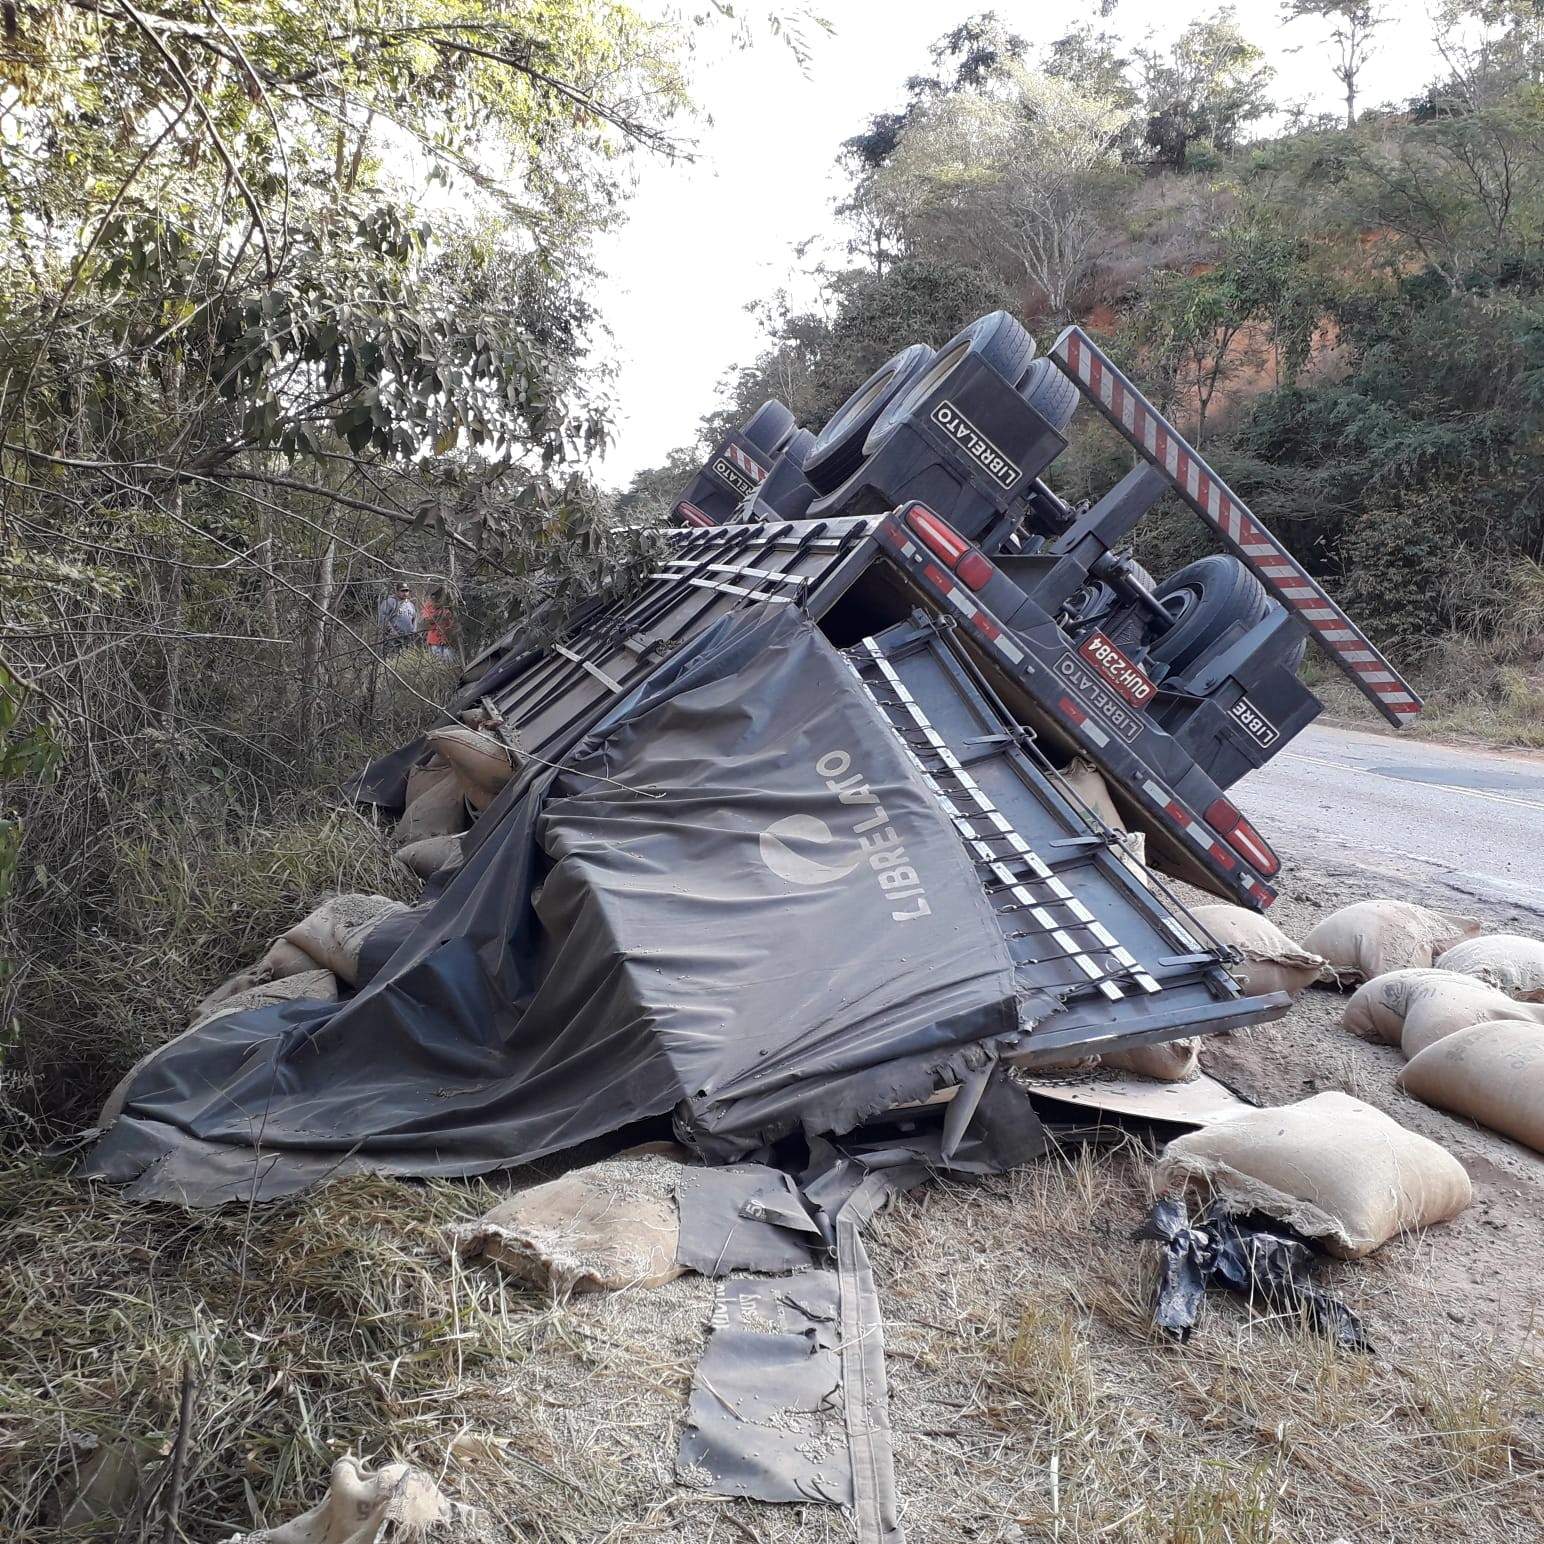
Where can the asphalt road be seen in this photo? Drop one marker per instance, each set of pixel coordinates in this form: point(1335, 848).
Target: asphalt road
point(1438, 822)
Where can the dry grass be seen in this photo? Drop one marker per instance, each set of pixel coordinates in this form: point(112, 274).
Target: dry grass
point(112, 966)
point(329, 1325)
point(1018, 1307)
point(1030, 1397)
point(1467, 696)
point(149, 875)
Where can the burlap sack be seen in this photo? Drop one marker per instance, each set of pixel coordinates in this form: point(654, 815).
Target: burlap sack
point(284, 959)
point(1377, 1008)
point(281, 959)
point(334, 932)
point(316, 983)
point(440, 810)
point(1332, 1167)
point(1447, 1006)
point(1272, 962)
point(430, 854)
point(1505, 960)
point(1087, 781)
point(1170, 1062)
point(427, 774)
point(601, 1228)
point(1493, 1073)
point(1363, 941)
point(365, 1506)
point(482, 762)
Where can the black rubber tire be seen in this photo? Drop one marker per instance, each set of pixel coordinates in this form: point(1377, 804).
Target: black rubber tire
point(1209, 596)
point(1050, 393)
point(838, 451)
point(769, 427)
point(998, 338)
point(800, 447)
point(1001, 340)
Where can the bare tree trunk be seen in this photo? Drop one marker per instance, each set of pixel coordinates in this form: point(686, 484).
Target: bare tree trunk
point(315, 640)
point(453, 582)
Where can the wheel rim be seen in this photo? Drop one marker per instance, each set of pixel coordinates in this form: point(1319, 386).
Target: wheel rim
point(914, 394)
point(855, 407)
point(1180, 604)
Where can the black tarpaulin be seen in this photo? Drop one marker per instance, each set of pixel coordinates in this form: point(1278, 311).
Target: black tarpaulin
point(737, 899)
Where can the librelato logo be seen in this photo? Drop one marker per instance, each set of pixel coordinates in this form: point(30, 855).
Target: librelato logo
point(797, 848)
point(791, 848)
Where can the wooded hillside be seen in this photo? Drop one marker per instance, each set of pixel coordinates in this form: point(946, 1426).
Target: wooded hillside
point(1344, 312)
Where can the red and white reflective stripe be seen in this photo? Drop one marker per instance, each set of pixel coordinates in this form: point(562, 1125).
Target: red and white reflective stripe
point(746, 462)
point(1091, 730)
point(1081, 359)
point(1197, 830)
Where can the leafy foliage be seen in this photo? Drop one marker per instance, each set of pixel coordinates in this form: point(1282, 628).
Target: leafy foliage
point(1202, 93)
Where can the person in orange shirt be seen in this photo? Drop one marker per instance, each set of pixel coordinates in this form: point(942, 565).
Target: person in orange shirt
point(437, 623)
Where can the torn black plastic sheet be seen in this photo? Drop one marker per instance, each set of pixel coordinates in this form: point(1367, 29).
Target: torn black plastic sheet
point(755, 1427)
point(746, 1217)
point(790, 1401)
point(1254, 1261)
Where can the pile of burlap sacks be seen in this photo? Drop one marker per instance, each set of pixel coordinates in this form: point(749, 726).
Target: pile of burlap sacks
point(464, 770)
point(1467, 1010)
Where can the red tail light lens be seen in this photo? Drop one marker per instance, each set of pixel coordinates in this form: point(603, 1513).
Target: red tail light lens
point(1242, 837)
point(691, 515)
point(974, 570)
point(949, 547)
point(940, 538)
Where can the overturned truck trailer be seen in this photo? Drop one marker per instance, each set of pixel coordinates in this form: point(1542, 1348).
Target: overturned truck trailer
point(801, 830)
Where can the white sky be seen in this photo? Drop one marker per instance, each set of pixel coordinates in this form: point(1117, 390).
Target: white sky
point(707, 240)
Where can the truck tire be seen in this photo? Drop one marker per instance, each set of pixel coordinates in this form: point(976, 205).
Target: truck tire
point(1205, 598)
point(1050, 393)
point(838, 451)
point(769, 427)
point(998, 338)
point(799, 449)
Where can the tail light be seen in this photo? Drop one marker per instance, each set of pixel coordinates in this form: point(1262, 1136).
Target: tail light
point(938, 536)
point(1242, 837)
point(689, 514)
point(949, 547)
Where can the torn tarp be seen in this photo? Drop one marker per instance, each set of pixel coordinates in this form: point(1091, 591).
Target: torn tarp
point(766, 1415)
point(738, 900)
point(789, 1401)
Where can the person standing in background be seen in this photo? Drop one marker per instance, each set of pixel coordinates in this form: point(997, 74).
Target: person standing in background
point(398, 617)
point(437, 622)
